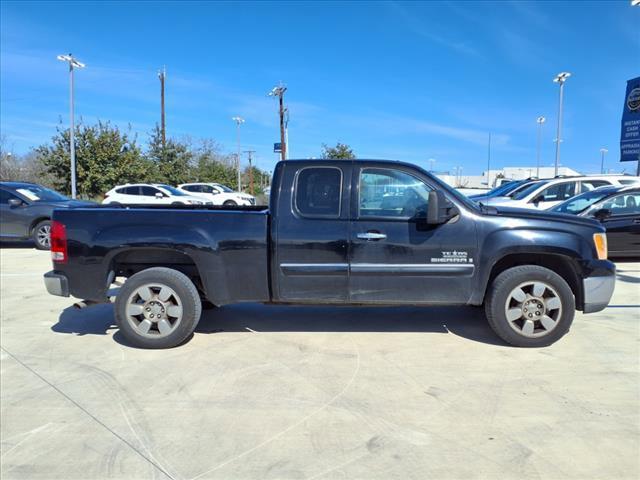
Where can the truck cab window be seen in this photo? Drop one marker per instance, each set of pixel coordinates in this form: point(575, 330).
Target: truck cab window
point(391, 193)
point(318, 192)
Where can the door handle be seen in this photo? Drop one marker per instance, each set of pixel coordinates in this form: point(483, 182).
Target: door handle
point(371, 236)
point(636, 220)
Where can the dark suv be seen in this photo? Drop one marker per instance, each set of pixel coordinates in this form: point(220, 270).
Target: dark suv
point(25, 211)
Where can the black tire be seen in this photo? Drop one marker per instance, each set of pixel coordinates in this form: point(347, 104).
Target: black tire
point(188, 298)
point(230, 203)
point(41, 235)
point(501, 290)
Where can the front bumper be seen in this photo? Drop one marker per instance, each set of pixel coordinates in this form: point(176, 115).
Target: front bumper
point(598, 288)
point(57, 284)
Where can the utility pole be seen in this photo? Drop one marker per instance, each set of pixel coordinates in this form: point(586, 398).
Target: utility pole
point(602, 152)
point(162, 75)
point(250, 156)
point(540, 120)
point(431, 162)
point(559, 79)
point(279, 92)
point(73, 63)
point(239, 121)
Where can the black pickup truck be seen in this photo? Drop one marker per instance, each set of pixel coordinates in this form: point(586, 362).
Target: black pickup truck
point(336, 232)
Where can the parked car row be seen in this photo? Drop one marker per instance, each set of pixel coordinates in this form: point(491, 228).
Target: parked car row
point(185, 194)
point(26, 208)
point(614, 200)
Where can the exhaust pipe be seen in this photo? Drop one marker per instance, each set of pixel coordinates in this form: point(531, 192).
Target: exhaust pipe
point(84, 304)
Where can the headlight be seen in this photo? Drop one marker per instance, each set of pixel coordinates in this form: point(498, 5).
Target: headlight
point(600, 242)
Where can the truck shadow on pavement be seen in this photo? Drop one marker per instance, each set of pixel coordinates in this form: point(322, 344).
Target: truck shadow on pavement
point(466, 322)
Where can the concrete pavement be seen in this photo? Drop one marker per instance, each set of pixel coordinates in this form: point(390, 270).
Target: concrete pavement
point(275, 392)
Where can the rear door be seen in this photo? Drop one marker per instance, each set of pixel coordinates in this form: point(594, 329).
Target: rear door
point(396, 257)
point(311, 233)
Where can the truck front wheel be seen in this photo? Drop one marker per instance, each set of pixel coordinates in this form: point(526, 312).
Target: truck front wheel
point(157, 308)
point(530, 306)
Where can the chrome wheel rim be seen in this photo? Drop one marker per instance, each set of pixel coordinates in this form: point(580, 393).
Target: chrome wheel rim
point(154, 310)
point(533, 309)
point(44, 236)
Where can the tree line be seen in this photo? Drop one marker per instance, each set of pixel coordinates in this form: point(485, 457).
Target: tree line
point(107, 156)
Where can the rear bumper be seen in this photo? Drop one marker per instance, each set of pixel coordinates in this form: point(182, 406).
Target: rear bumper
point(57, 284)
point(598, 288)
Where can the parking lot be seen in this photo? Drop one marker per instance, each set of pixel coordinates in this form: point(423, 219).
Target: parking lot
point(278, 392)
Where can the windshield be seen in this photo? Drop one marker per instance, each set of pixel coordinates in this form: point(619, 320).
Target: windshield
point(224, 188)
point(520, 194)
point(580, 203)
point(503, 189)
point(36, 193)
point(172, 190)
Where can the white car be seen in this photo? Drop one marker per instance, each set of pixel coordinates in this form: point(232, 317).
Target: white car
point(152, 194)
point(217, 193)
point(548, 193)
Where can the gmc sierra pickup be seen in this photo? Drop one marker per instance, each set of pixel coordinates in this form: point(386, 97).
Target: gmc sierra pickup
point(336, 232)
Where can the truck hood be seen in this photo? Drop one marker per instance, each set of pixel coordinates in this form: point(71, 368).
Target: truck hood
point(542, 215)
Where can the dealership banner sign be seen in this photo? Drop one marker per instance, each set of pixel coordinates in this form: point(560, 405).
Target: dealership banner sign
point(630, 135)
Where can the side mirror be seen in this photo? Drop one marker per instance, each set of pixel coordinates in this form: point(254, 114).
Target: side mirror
point(440, 209)
point(538, 199)
point(159, 195)
point(602, 214)
point(15, 202)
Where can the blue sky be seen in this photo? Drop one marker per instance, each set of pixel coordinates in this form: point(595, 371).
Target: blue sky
point(408, 81)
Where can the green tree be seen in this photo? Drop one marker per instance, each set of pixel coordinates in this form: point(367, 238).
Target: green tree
point(213, 166)
point(172, 160)
point(105, 156)
point(340, 152)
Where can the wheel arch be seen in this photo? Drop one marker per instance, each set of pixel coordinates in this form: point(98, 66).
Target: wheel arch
point(129, 261)
point(563, 265)
point(37, 220)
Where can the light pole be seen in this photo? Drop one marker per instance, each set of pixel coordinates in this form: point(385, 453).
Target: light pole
point(239, 121)
point(559, 79)
point(431, 162)
point(73, 63)
point(279, 92)
point(602, 153)
point(540, 120)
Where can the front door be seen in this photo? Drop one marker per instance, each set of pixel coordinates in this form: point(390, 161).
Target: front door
point(12, 221)
point(396, 257)
point(312, 234)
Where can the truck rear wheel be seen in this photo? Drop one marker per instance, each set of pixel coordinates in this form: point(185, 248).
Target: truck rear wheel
point(530, 306)
point(157, 308)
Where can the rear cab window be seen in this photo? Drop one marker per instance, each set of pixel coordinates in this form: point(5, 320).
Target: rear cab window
point(318, 192)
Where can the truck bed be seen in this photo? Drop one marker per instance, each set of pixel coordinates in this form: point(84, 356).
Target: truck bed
point(224, 248)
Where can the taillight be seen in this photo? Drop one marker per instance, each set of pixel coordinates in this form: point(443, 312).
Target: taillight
point(58, 242)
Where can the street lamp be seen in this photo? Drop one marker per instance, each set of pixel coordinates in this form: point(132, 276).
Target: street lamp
point(431, 162)
point(73, 63)
point(559, 79)
point(540, 120)
point(239, 121)
point(602, 152)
